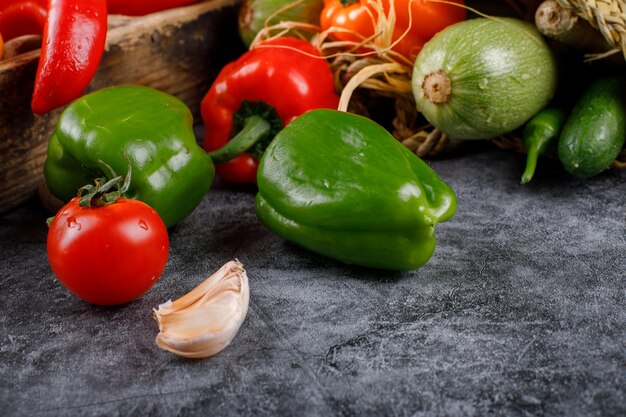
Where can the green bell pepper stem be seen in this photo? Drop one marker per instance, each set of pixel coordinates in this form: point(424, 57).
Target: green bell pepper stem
point(540, 132)
point(255, 130)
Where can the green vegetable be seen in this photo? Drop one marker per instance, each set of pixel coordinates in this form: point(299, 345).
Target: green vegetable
point(150, 130)
point(595, 131)
point(254, 15)
point(481, 78)
point(340, 185)
point(540, 133)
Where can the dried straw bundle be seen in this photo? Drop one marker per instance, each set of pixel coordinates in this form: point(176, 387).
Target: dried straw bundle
point(608, 16)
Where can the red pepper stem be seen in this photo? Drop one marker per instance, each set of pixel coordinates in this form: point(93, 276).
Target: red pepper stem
point(255, 129)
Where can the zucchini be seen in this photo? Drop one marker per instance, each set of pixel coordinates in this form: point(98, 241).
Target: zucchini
point(595, 131)
point(481, 78)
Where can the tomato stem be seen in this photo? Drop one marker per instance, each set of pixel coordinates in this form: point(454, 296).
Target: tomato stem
point(100, 194)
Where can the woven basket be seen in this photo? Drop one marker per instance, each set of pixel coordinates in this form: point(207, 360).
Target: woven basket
point(391, 80)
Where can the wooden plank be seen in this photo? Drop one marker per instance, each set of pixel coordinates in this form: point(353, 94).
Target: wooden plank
point(179, 51)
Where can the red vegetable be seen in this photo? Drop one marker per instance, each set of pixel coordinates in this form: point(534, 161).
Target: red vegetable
point(422, 18)
point(109, 254)
point(143, 7)
point(73, 43)
point(284, 77)
point(22, 17)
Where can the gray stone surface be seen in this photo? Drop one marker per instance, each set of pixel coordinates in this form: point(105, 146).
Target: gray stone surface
point(519, 312)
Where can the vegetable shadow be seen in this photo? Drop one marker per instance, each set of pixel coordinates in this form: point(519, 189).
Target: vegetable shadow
point(308, 259)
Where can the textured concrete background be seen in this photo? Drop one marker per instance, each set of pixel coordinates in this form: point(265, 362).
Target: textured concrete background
point(519, 312)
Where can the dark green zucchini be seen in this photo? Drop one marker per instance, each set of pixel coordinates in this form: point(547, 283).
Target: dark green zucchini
point(595, 131)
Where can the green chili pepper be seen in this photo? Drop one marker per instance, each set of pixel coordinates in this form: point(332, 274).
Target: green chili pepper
point(539, 134)
point(340, 185)
point(151, 130)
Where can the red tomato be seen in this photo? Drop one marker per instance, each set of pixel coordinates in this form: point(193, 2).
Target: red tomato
point(420, 19)
point(110, 254)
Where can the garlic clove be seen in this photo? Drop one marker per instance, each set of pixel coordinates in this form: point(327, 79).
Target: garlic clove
point(204, 321)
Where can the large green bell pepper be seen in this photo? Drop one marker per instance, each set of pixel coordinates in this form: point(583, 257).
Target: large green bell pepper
point(149, 129)
point(340, 185)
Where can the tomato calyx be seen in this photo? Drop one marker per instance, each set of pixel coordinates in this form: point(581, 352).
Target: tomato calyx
point(346, 3)
point(104, 191)
point(99, 194)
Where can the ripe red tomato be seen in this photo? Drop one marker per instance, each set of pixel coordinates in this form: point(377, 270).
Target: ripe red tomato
point(416, 21)
point(110, 254)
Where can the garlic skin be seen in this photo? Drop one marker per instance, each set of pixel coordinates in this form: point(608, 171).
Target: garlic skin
point(204, 321)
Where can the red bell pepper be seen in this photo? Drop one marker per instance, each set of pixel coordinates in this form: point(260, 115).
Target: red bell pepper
point(73, 43)
point(279, 80)
point(22, 17)
point(416, 21)
point(143, 7)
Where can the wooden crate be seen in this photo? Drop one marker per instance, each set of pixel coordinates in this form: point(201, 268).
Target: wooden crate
point(179, 51)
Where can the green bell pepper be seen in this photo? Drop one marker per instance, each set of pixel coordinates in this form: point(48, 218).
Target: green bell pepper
point(340, 185)
point(148, 129)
